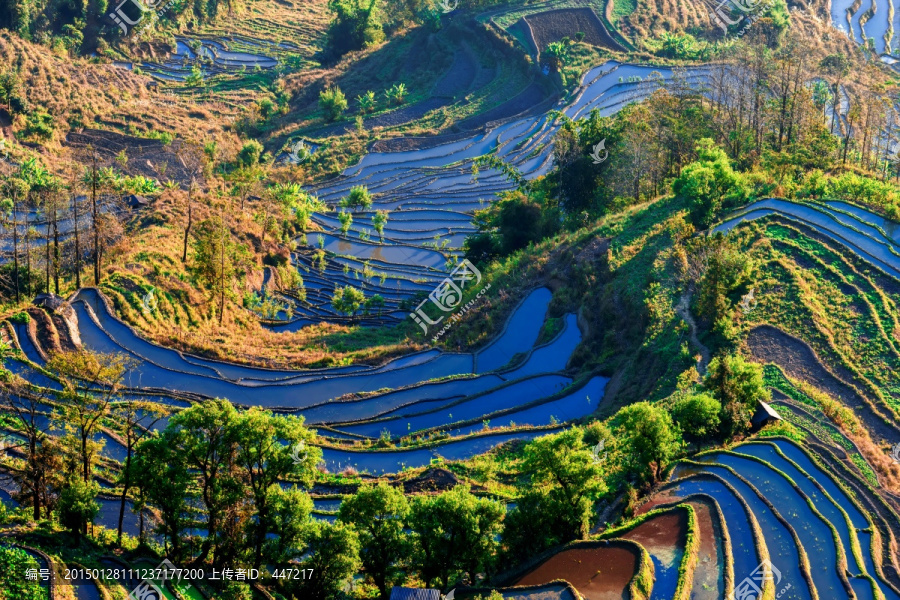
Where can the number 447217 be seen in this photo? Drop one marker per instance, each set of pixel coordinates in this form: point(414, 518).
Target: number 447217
point(292, 573)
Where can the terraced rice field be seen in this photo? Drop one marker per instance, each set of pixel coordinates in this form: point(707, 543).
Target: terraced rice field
point(871, 237)
point(770, 503)
point(215, 56)
point(874, 23)
point(450, 398)
point(431, 195)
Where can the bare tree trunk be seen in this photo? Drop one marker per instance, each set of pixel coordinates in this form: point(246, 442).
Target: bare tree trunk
point(222, 271)
point(126, 484)
point(47, 254)
point(15, 229)
point(55, 248)
point(96, 226)
point(27, 255)
point(77, 241)
point(190, 222)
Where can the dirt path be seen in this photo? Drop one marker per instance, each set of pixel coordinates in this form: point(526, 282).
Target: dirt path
point(683, 310)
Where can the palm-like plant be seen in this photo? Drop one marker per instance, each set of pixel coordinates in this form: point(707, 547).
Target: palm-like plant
point(557, 54)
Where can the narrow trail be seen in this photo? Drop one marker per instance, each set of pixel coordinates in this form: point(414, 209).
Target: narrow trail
point(682, 309)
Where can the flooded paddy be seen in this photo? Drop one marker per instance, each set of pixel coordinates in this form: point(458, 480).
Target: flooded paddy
point(598, 570)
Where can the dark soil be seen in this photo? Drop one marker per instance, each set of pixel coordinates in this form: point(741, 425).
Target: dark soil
point(432, 480)
point(144, 155)
point(400, 116)
point(402, 144)
point(553, 25)
point(797, 358)
point(6, 131)
point(661, 533)
point(531, 99)
point(65, 339)
point(459, 77)
point(598, 573)
point(45, 332)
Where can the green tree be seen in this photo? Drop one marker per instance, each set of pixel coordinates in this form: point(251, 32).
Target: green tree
point(698, 415)
point(289, 525)
point(377, 514)
point(534, 525)
point(250, 153)
point(557, 55)
point(367, 102)
point(723, 267)
point(739, 386)
point(519, 221)
point(648, 438)
point(245, 180)
point(346, 220)
point(136, 418)
point(396, 94)
point(334, 559)
point(220, 261)
point(90, 381)
point(453, 533)
point(204, 436)
point(162, 477)
point(379, 220)
point(195, 78)
point(355, 25)
point(77, 506)
point(347, 300)
point(710, 184)
point(14, 562)
point(373, 303)
point(9, 88)
point(332, 102)
point(269, 450)
point(569, 478)
point(358, 198)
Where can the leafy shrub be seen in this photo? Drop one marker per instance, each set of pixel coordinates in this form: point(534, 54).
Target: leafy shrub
point(14, 562)
point(861, 189)
point(367, 102)
point(359, 198)
point(396, 94)
point(680, 45)
point(250, 153)
point(332, 102)
point(39, 124)
point(266, 107)
point(356, 25)
point(710, 184)
point(139, 185)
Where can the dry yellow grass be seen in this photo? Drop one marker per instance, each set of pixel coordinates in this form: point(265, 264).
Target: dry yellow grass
point(79, 92)
point(151, 254)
